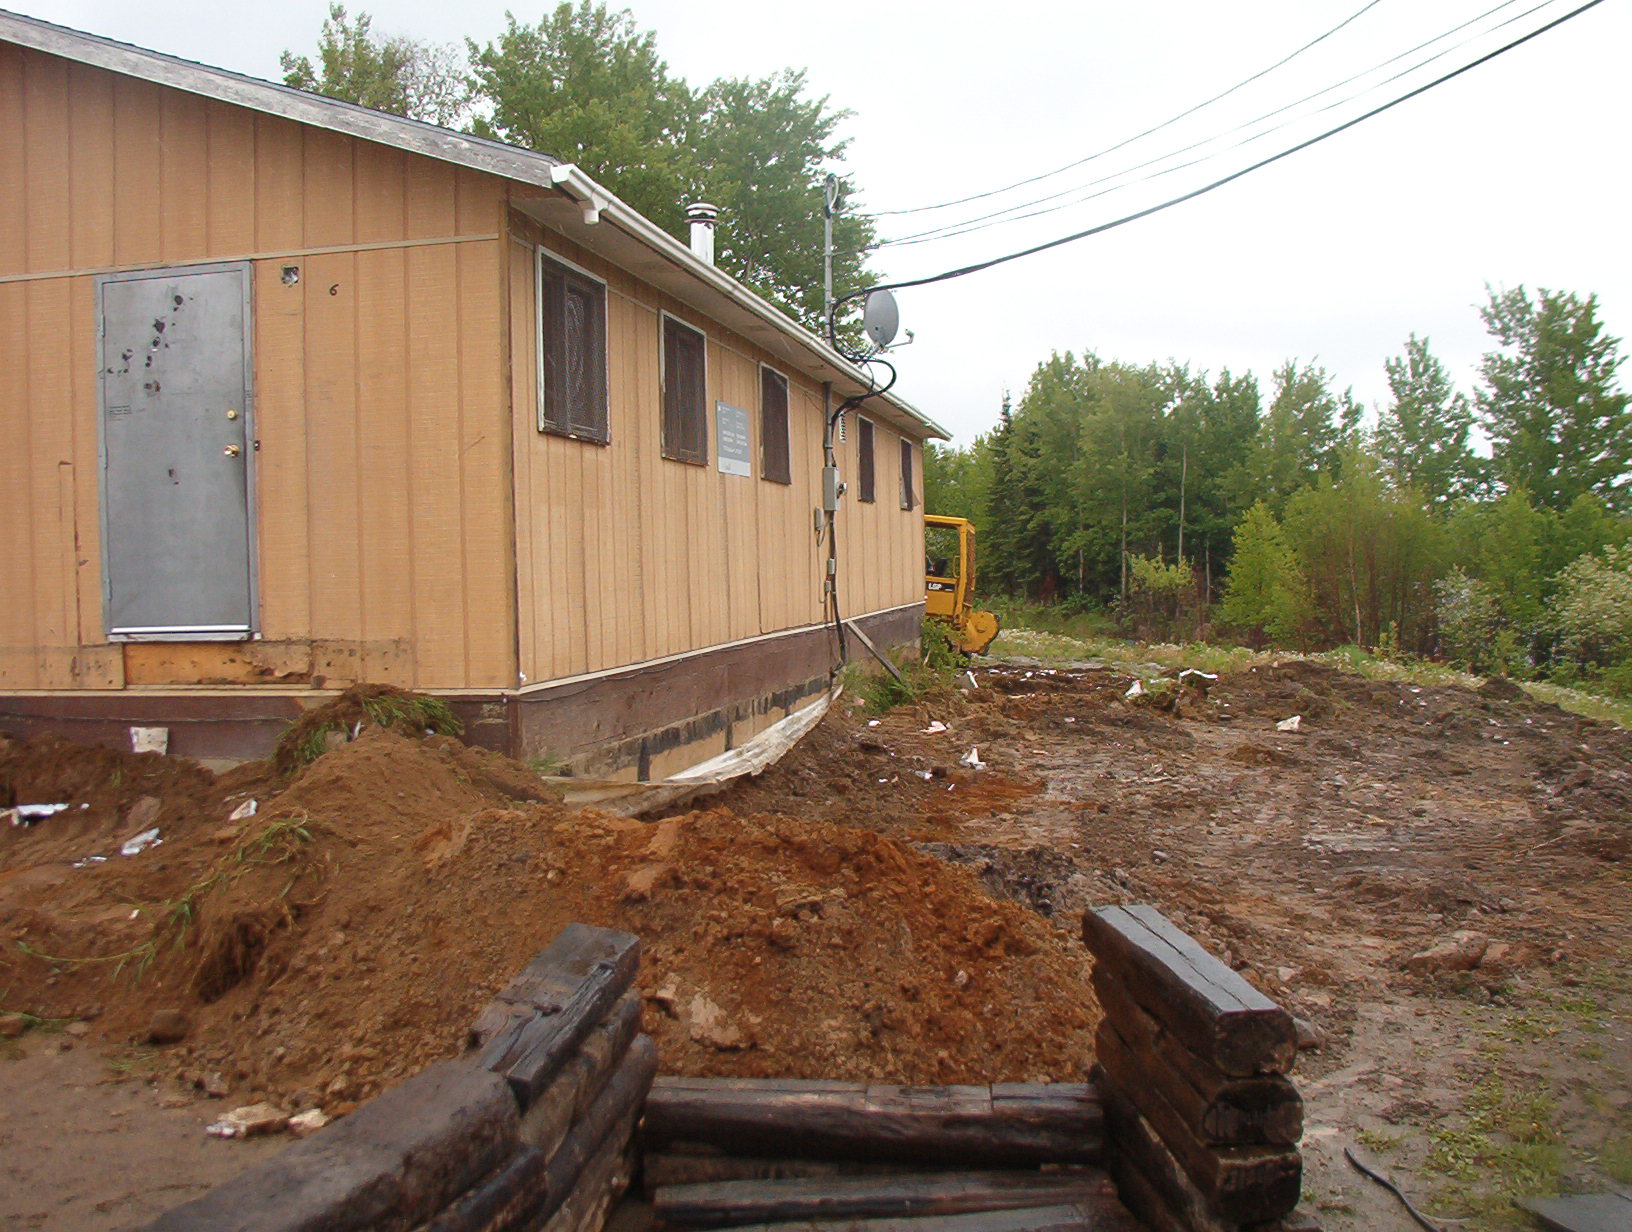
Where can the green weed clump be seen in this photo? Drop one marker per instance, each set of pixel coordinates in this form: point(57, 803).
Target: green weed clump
point(376, 705)
point(934, 667)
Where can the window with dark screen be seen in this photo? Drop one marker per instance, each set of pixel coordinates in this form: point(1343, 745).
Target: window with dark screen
point(866, 482)
point(774, 463)
point(909, 495)
point(571, 352)
point(685, 384)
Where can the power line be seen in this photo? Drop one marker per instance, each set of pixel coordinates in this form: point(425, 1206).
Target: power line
point(1010, 213)
point(1228, 179)
point(992, 192)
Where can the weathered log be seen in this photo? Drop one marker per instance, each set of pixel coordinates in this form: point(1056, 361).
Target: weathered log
point(1159, 1211)
point(1007, 1124)
point(1164, 1051)
point(1233, 1184)
point(567, 990)
point(734, 1203)
point(582, 1078)
point(603, 1181)
point(685, 1164)
point(1262, 1111)
point(605, 1128)
point(1088, 1215)
point(394, 1162)
point(505, 1202)
point(1213, 1010)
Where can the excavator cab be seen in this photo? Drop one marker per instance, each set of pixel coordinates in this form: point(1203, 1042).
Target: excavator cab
point(949, 582)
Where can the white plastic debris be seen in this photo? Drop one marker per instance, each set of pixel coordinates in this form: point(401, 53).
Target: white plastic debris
point(926, 775)
point(244, 811)
point(971, 678)
point(1291, 725)
point(139, 844)
point(935, 728)
point(26, 815)
point(972, 759)
point(88, 861)
point(150, 740)
point(872, 722)
point(1136, 689)
point(1191, 671)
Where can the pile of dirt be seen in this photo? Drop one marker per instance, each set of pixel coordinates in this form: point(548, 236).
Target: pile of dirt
point(324, 728)
point(346, 932)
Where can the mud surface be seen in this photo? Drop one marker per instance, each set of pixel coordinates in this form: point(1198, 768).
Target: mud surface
point(1317, 862)
point(872, 907)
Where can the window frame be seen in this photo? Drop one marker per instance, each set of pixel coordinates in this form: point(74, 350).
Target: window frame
point(665, 448)
point(767, 472)
point(866, 460)
point(909, 492)
point(545, 424)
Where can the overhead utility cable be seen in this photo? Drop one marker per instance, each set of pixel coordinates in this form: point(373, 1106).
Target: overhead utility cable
point(1011, 213)
point(992, 192)
point(1219, 183)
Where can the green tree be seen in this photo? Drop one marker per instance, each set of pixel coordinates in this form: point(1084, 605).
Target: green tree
point(1005, 511)
point(1371, 555)
point(957, 481)
point(1207, 436)
point(761, 150)
point(1266, 596)
point(1592, 613)
point(1557, 420)
point(587, 86)
point(1298, 438)
point(1503, 544)
point(1422, 434)
point(421, 80)
point(1112, 509)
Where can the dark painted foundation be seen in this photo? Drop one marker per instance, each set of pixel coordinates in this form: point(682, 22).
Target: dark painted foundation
point(600, 726)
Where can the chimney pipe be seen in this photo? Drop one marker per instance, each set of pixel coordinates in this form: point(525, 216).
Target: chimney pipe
point(702, 216)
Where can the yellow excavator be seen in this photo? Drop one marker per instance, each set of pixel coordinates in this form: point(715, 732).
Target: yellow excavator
point(949, 582)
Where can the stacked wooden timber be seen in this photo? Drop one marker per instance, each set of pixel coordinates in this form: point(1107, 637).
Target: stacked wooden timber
point(783, 1153)
point(533, 1128)
point(1202, 1121)
point(565, 1037)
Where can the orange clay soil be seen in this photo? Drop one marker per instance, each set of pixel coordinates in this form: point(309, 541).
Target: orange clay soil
point(346, 934)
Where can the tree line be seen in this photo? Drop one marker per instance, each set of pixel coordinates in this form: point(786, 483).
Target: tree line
point(1491, 528)
point(586, 85)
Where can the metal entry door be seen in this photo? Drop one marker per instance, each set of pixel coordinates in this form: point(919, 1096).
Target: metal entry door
point(177, 452)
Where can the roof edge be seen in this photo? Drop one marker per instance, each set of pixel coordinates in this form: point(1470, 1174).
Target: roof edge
point(416, 136)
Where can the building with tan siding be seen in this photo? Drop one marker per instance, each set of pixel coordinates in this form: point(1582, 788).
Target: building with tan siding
point(296, 395)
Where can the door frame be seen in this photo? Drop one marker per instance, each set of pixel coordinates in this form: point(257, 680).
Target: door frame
point(252, 448)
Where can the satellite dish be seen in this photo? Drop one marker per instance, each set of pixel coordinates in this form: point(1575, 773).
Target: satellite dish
point(881, 318)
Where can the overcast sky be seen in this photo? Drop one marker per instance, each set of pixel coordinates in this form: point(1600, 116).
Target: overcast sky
point(1517, 172)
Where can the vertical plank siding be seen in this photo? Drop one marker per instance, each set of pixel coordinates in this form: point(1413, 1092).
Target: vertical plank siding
point(413, 526)
point(383, 492)
point(625, 556)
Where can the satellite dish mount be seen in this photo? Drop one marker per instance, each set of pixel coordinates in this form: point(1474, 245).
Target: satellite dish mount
point(880, 318)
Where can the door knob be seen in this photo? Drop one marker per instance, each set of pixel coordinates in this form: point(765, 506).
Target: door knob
point(232, 451)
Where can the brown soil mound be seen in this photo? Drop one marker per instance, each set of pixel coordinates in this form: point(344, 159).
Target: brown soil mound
point(360, 707)
point(347, 932)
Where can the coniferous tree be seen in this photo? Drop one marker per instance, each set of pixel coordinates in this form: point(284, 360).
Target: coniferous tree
point(1557, 420)
point(1422, 434)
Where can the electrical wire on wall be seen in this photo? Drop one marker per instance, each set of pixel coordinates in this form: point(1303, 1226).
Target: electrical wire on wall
point(832, 490)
